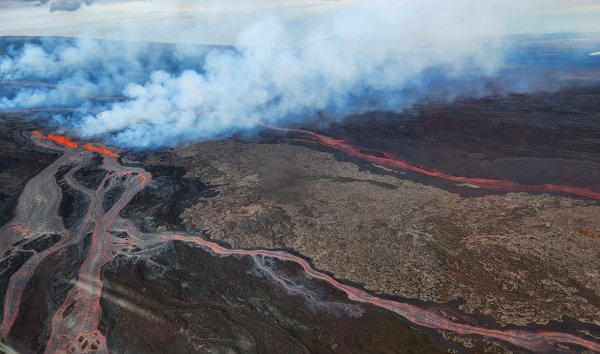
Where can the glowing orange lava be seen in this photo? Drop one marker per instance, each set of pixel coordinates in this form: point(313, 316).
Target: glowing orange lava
point(62, 140)
point(100, 150)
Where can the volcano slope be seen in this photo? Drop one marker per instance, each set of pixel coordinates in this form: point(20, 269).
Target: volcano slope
point(103, 253)
point(76, 277)
point(517, 241)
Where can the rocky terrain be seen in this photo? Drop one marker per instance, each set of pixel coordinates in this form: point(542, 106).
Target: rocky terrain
point(453, 227)
point(78, 278)
point(518, 257)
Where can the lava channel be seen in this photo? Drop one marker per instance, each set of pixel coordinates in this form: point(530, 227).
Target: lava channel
point(75, 325)
point(388, 159)
point(65, 141)
point(100, 150)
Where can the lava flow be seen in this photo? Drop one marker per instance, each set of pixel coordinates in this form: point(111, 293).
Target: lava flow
point(388, 159)
point(74, 327)
point(62, 140)
point(100, 150)
point(65, 141)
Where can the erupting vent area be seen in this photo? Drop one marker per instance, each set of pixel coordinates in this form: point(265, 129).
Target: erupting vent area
point(100, 150)
point(75, 325)
point(64, 141)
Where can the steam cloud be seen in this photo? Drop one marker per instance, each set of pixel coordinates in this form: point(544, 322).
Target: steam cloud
point(379, 54)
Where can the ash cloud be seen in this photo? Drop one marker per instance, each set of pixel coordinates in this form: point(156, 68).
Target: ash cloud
point(373, 55)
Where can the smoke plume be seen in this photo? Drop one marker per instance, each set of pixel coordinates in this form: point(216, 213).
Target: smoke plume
point(58, 5)
point(372, 55)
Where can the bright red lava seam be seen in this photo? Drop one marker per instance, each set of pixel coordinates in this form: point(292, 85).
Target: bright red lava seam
point(100, 150)
point(393, 161)
point(64, 141)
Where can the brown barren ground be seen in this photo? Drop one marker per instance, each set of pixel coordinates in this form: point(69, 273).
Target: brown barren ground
point(520, 258)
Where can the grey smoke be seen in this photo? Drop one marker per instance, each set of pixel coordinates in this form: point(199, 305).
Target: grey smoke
point(65, 5)
point(61, 5)
point(378, 54)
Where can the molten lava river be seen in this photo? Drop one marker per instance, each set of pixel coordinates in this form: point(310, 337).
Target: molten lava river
point(388, 159)
point(75, 325)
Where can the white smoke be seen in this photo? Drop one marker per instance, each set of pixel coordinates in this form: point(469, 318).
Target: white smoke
point(372, 55)
point(376, 48)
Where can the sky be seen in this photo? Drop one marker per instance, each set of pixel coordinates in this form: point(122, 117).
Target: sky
point(294, 59)
point(220, 21)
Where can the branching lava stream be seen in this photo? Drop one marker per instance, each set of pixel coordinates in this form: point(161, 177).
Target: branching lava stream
point(75, 325)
